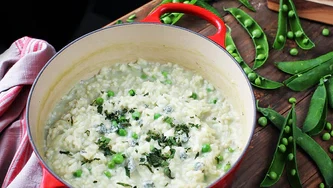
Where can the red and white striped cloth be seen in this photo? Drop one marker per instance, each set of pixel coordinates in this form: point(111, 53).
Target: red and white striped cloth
point(19, 66)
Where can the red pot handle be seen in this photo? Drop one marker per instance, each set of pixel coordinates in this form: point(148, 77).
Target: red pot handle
point(218, 37)
point(49, 181)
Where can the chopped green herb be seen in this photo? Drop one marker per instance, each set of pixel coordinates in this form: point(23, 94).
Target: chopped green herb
point(95, 181)
point(87, 132)
point(156, 116)
point(124, 184)
point(196, 155)
point(168, 120)
point(165, 74)
point(149, 168)
point(100, 109)
point(168, 81)
point(143, 76)
point(119, 22)
point(72, 122)
point(89, 160)
point(219, 158)
point(167, 172)
point(127, 172)
point(194, 96)
point(65, 152)
point(195, 125)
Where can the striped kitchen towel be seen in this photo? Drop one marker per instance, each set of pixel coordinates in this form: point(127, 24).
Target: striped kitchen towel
point(19, 66)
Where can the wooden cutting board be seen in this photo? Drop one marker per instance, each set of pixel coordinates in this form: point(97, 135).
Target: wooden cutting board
point(316, 10)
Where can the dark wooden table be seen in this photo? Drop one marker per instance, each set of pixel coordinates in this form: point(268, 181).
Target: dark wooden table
point(260, 152)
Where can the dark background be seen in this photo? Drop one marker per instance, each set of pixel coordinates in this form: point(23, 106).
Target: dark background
point(58, 22)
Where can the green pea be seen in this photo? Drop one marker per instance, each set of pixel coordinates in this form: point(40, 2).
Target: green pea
point(257, 81)
point(326, 136)
point(118, 158)
point(194, 95)
point(287, 129)
point(167, 20)
point(282, 148)
point(262, 121)
point(238, 16)
point(260, 57)
point(248, 22)
point(227, 167)
point(131, 92)
point(99, 101)
point(272, 175)
point(281, 38)
point(110, 93)
point(219, 158)
point(332, 133)
point(290, 139)
point(290, 121)
point(298, 34)
point(234, 55)
point(111, 164)
point(156, 116)
point(285, 7)
point(136, 115)
point(291, 13)
point(293, 172)
point(293, 51)
point(292, 100)
point(256, 33)
point(144, 76)
point(290, 156)
point(258, 47)
point(168, 81)
point(321, 185)
point(247, 70)
point(165, 74)
point(325, 32)
point(230, 48)
point(328, 126)
point(122, 132)
point(135, 136)
point(77, 173)
point(107, 173)
point(330, 149)
point(290, 35)
point(252, 76)
point(186, 2)
point(238, 59)
point(305, 41)
point(284, 141)
point(205, 148)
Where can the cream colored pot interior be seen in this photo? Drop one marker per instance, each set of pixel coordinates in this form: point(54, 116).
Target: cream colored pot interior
point(126, 43)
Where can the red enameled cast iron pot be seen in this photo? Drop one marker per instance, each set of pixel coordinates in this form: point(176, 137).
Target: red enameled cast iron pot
point(152, 41)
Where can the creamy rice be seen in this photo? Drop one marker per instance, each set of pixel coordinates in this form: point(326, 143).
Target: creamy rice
point(173, 129)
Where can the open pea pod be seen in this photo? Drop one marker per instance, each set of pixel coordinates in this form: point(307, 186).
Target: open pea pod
point(281, 33)
point(256, 33)
point(321, 124)
point(205, 5)
point(279, 160)
point(316, 111)
point(309, 78)
point(254, 78)
point(291, 165)
point(310, 146)
point(302, 40)
point(329, 89)
point(297, 67)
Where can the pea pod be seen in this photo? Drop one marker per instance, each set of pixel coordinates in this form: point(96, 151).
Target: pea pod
point(302, 40)
point(281, 34)
point(297, 67)
point(263, 83)
point(309, 78)
point(205, 5)
point(248, 5)
point(256, 33)
point(291, 165)
point(279, 158)
point(316, 109)
point(329, 87)
point(321, 124)
point(310, 146)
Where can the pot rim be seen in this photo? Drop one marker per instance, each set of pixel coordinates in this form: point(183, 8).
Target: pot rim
point(45, 165)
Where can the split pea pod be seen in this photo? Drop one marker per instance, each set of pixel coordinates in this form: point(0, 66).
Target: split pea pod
point(248, 5)
point(300, 82)
point(254, 78)
point(302, 40)
point(173, 18)
point(281, 34)
point(205, 5)
point(291, 165)
point(297, 67)
point(310, 146)
point(280, 155)
point(256, 33)
point(329, 89)
point(316, 116)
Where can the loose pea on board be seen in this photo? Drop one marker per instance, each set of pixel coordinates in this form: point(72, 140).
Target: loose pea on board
point(255, 79)
point(256, 33)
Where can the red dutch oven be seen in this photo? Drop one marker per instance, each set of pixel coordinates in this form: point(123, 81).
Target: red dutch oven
point(152, 41)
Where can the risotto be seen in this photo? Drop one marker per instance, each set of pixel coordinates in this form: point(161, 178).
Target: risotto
point(143, 124)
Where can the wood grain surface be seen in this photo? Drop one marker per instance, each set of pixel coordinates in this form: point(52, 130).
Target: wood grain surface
point(260, 153)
